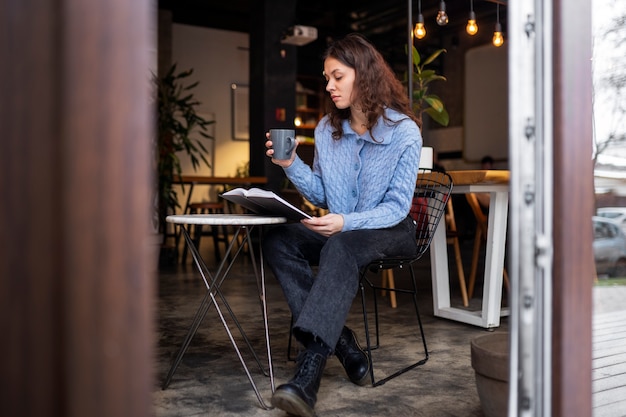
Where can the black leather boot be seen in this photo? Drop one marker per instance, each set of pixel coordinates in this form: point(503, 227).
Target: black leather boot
point(298, 396)
point(354, 359)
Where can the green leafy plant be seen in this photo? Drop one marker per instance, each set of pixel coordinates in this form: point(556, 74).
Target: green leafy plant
point(178, 123)
point(423, 102)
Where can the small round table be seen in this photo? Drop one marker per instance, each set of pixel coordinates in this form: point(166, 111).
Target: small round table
point(244, 223)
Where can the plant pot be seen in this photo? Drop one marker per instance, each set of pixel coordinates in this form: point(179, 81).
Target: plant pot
point(490, 360)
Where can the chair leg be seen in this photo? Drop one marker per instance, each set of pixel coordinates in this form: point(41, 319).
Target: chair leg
point(392, 286)
point(452, 237)
point(222, 238)
point(384, 283)
point(216, 241)
point(419, 320)
point(214, 231)
point(460, 272)
point(184, 254)
point(506, 280)
point(376, 322)
point(368, 342)
point(290, 341)
point(472, 281)
point(389, 282)
point(198, 230)
point(475, 253)
point(197, 235)
point(413, 291)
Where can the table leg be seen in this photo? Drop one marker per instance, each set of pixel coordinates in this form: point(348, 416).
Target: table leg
point(263, 299)
point(213, 285)
point(440, 270)
point(220, 275)
point(202, 310)
point(243, 362)
point(494, 261)
point(205, 304)
point(491, 311)
point(266, 321)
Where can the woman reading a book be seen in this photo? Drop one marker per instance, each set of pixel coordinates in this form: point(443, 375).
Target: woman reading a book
point(364, 172)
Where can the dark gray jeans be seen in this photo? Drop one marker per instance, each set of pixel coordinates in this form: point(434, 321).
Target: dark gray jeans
point(320, 302)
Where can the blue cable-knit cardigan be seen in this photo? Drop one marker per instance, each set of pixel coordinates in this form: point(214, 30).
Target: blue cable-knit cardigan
point(369, 182)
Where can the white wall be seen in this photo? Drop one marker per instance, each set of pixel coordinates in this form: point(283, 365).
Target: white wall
point(218, 58)
point(486, 124)
point(485, 129)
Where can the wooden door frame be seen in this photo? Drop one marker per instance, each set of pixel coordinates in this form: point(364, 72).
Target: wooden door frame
point(77, 284)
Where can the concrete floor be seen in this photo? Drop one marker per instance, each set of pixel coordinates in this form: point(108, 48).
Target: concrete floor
point(210, 380)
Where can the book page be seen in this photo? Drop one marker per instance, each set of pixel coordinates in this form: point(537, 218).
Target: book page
point(258, 192)
point(265, 202)
point(237, 196)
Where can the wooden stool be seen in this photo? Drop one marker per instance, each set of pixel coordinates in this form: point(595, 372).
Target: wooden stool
point(208, 207)
point(452, 238)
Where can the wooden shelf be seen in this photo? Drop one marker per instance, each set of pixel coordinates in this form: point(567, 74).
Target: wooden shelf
point(309, 103)
point(307, 110)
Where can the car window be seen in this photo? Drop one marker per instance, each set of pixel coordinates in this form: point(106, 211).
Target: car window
point(609, 215)
point(599, 231)
point(602, 230)
point(613, 230)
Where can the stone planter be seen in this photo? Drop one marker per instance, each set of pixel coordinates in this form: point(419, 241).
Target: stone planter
point(490, 360)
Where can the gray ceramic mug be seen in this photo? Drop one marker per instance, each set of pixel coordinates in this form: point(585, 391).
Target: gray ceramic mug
point(283, 142)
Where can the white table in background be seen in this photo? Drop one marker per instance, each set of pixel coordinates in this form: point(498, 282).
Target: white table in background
point(496, 183)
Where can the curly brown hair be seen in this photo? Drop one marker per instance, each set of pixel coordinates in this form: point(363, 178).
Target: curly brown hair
point(375, 83)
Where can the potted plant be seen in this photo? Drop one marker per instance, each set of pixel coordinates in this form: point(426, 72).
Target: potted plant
point(178, 124)
point(423, 102)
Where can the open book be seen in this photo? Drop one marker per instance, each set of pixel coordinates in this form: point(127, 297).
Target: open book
point(264, 202)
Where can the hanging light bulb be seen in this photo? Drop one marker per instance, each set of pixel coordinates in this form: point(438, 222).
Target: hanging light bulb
point(442, 16)
point(472, 27)
point(498, 40)
point(420, 30)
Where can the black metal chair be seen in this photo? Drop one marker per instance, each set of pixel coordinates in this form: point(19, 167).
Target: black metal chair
point(431, 195)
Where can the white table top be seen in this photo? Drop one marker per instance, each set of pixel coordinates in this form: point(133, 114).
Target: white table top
point(225, 219)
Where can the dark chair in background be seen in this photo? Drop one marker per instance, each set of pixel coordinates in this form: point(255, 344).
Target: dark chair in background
point(219, 234)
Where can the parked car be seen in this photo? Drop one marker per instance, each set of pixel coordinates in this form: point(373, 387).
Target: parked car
point(618, 214)
point(609, 247)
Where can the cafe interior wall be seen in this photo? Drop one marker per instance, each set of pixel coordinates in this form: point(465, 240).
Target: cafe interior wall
point(483, 129)
point(219, 58)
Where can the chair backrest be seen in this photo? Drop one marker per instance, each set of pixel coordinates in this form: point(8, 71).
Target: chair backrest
point(432, 192)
